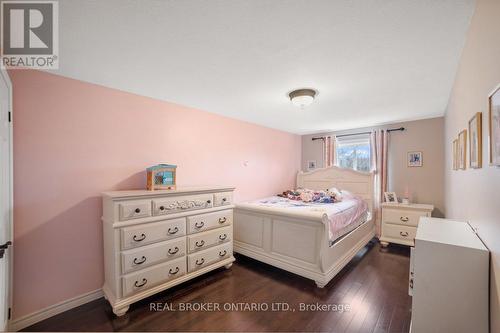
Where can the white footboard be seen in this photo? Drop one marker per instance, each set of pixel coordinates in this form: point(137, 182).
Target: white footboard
point(297, 244)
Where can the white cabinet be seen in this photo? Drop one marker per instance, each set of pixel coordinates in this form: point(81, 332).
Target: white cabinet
point(400, 222)
point(448, 278)
point(154, 240)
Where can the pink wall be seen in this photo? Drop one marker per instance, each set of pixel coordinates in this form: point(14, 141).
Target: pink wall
point(73, 140)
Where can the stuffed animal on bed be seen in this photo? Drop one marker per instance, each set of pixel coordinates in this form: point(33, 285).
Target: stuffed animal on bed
point(331, 195)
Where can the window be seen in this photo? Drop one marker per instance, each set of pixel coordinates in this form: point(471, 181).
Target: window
point(354, 152)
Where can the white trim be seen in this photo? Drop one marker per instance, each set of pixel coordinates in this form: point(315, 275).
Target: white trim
point(52, 310)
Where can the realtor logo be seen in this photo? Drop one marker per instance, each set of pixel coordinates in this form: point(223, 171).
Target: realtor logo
point(30, 34)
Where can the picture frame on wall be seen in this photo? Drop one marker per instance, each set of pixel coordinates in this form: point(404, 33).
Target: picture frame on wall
point(455, 154)
point(494, 127)
point(414, 159)
point(475, 141)
point(311, 165)
point(462, 150)
point(391, 197)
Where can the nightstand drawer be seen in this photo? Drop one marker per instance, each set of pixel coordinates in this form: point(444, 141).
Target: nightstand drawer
point(402, 216)
point(399, 232)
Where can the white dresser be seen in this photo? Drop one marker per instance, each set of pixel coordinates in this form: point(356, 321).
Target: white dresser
point(154, 240)
point(400, 222)
point(449, 274)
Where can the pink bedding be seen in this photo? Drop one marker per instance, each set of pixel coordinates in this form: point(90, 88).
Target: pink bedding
point(343, 216)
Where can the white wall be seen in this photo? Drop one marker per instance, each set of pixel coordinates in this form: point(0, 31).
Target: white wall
point(474, 195)
point(425, 184)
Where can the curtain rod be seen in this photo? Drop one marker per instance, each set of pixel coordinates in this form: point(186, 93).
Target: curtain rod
point(342, 135)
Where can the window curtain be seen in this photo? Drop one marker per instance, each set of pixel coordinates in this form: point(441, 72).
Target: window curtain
point(379, 142)
point(328, 151)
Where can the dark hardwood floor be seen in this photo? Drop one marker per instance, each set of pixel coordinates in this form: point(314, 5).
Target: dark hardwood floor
point(374, 284)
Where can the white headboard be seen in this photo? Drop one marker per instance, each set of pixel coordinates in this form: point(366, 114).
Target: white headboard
point(359, 183)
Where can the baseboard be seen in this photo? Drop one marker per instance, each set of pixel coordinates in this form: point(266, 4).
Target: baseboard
point(37, 316)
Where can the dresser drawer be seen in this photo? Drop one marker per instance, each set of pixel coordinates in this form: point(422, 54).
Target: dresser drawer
point(134, 209)
point(153, 276)
point(152, 232)
point(399, 232)
point(201, 241)
point(171, 205)
point(223, 198)
point(199, 223)
point(209, 256)
point(145, 256)
point(402, 216)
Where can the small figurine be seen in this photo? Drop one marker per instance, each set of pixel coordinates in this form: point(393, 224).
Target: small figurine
point(161, 177)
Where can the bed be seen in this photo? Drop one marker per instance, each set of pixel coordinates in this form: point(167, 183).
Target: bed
point(300, 239)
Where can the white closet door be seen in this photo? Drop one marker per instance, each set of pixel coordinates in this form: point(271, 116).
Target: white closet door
point(5, 198)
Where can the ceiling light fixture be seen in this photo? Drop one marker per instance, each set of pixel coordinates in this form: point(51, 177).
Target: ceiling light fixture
point(302, 97)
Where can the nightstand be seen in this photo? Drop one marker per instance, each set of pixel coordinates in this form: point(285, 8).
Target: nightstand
point(400, 222)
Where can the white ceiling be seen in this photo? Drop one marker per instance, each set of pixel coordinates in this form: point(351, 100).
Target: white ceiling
point(372, 62)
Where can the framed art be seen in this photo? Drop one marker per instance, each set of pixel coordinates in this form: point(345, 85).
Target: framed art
point(494, 127)
point(475, 141)
point(462, 150)
point(455, 154)
point(390, 197)
point(414, 159)
point(311, 165)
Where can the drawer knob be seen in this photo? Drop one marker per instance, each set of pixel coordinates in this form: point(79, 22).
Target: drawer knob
point(411, 283)
point(173, 231)
point(222, 237)
point(224, 199)
point(222, 220)
point(143, 260)
point(404, 219)
point(200, 244)
point(222, 253)
point(137, 210)
point(200, 262)
point(198, 226)
point(209, 202)
point(403, 233)
point(143, 283)
point(171, 272)
point(142, 237)
point(162, 207)
point(176, 249)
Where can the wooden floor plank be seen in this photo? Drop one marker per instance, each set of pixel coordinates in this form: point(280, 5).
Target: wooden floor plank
point(374, 284)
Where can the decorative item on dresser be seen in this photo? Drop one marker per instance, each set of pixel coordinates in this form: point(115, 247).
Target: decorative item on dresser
point(449, 275)
point(400, 222)
point(156, 240)
point(161, 177)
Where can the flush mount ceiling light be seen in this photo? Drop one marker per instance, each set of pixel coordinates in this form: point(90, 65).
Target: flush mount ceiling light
point(302, 97)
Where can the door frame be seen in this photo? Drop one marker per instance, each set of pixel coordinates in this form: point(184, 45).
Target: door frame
point(4, 75)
